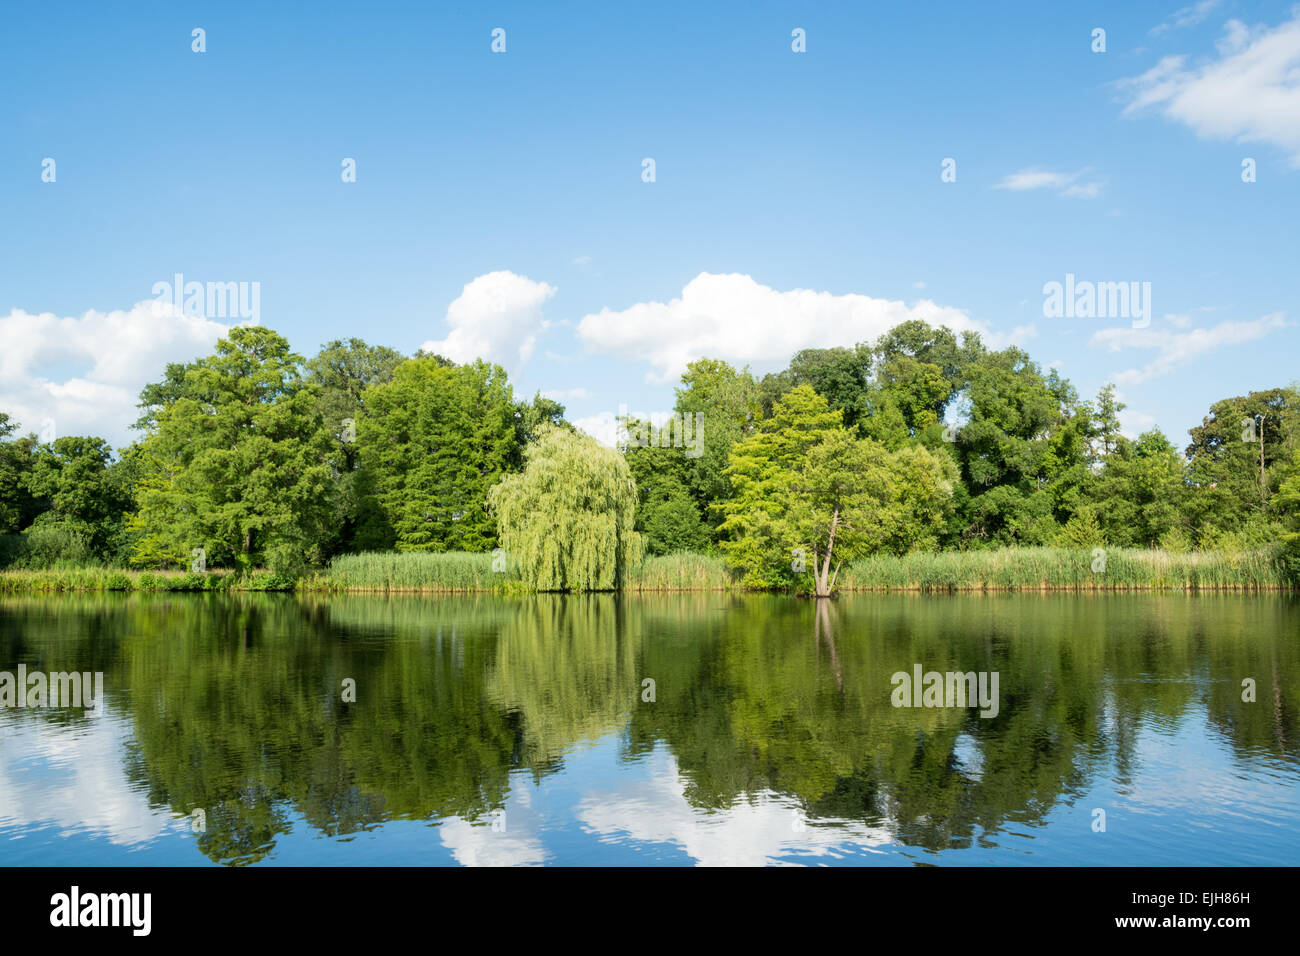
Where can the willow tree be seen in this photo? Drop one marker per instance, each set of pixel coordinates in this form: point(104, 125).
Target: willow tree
point(565, 521)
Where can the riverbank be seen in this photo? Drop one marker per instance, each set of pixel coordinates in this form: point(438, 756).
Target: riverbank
point(123, 579)
point(1010, 569)
point(1071, 569)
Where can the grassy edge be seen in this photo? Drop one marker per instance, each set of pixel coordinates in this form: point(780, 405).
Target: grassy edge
point(1003, 570)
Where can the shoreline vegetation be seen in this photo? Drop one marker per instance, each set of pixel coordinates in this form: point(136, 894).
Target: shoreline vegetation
point(1000, 570)
point(921, 462)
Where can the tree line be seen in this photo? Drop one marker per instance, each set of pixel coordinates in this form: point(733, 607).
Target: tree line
point(254, 456)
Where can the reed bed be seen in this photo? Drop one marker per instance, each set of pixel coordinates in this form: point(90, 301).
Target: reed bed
point(1068, 569)
point(414, 571)
point(681, 571)
point(122, 579)
point(1008, 569)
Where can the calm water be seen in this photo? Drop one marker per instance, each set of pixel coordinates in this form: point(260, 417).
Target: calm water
point(513, 730)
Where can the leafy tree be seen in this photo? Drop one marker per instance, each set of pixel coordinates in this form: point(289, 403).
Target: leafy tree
point(342, 371)
point(838, 498)
point(566, 521)
point(530, 417)
point(1225, 452)
point(1287, 501)
point(1011, 450)
point(839, 375)
point(667, 515)
point(1138, 496)
point(1107, 419)
point(432, 442)
point(77, 487)
point(18, 507)
point(236, 459)
point(726, 402)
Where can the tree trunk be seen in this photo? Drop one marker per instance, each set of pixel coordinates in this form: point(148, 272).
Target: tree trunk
point(822, 576)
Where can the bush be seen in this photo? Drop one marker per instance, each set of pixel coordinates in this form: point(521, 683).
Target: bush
point(49, 544)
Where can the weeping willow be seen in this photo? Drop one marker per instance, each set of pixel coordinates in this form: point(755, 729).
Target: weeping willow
point(565, 522)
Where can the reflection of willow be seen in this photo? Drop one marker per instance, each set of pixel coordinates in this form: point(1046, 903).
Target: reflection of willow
point(567, 666)
point(244, 715)
point(237, 710)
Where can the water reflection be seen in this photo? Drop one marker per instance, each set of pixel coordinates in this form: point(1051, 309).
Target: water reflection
point(514, 730)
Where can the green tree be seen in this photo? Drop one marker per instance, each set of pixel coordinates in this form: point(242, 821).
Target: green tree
point(809, 495)
point(667, 515)
point(342, 371)
point(1138, 496)
point(18, 506)
point(78, 489)
point(566, 521)
point(725, 402)
point(1224, 462)
point(432, 442)
point(236, 459)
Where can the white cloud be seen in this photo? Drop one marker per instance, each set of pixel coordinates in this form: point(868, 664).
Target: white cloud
point(1020, 336)
point(1065, 183)
point(602, 426)
point(1036, 179)
point(1250, 94)
point(764, 829)
point(1186, 17)
point(565, 394)
point(1178, 348)
point(72, 781)
point(732, 317)
point(1082, 191)
point(497, 317)
point(85, 374)
point(582, 261)
point(1133, 423)
point(515, 841)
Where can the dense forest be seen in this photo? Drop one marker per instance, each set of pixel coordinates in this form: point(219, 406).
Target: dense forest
point(254, 457)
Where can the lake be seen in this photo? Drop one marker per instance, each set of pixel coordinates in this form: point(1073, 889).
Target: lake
point(270, 729)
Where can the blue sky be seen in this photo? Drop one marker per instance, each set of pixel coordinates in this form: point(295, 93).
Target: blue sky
point(499, 207)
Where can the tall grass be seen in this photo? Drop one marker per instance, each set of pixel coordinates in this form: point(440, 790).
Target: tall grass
point(1018, 569)
point(119, 579)
point(450, 572)
point(1009, 569)
point(681, 571)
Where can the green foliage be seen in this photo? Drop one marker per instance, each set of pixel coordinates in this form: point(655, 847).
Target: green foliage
point(246, 454)
point(1081, 531)
point(78, 488)
point(566, 522)
point(667, 514)
point(18, 506)
point(236, 459)
point(726, 402)
point(808, 494)
point(432, 442)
